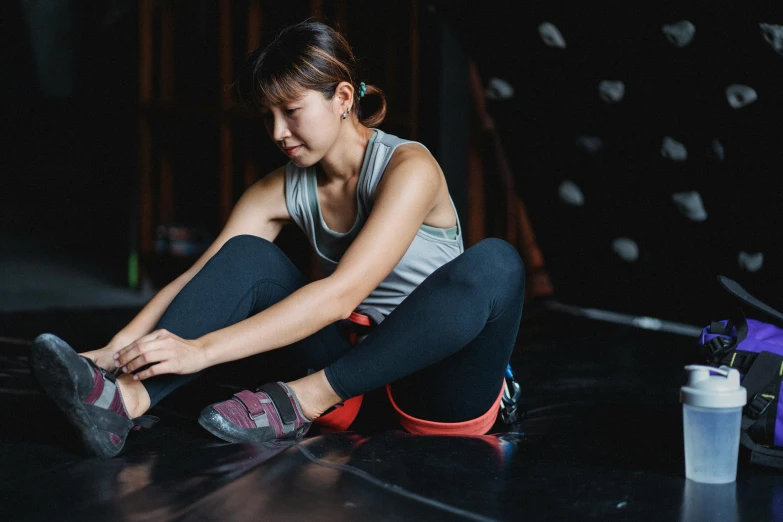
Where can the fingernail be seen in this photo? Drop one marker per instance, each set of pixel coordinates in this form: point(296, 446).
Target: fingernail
point(116, 363)
point(125, 369)
point(135, 377)
point(116, 355)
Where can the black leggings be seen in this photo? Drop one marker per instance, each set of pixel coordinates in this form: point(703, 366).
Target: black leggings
point(444, 348)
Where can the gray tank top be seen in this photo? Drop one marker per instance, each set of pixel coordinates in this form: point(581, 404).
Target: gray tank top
point(431, 247)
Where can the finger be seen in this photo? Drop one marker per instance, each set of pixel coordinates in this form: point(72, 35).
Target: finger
point(157, 334)
point(157, 352)
point(155, 369)
point(136, 348)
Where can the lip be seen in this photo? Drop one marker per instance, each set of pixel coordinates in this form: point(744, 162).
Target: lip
point(292, 151)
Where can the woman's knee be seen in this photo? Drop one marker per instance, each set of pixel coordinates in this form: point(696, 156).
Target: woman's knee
point(252, 256)
point(500, 260)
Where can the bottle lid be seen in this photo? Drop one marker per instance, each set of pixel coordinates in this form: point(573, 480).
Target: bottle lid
point(713, 391)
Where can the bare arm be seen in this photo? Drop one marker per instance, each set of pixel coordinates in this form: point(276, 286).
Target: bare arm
point(404, 198)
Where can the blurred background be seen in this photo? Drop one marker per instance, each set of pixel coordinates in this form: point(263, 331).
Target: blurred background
point(630, 151)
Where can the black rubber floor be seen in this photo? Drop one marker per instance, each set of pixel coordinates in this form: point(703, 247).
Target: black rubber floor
point(602, 440)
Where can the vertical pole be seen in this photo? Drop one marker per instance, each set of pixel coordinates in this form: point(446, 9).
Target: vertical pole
point(166, 202)
point(415, 56)
point(253, 41)
point(137, 271)
point(341, 16)
point(317, 10)
point(226, 149)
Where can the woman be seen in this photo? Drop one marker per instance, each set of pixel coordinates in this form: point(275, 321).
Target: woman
point(377, 211)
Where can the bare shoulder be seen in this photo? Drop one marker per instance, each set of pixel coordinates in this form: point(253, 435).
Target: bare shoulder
point(414, 164)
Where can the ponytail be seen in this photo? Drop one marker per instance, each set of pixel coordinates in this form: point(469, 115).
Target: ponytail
point(377, 102)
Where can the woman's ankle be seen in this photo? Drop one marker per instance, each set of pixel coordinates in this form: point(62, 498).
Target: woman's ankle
point(315, 394)
point(134, 395)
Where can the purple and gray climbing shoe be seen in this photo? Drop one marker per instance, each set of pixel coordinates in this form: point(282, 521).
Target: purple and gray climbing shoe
point(88, 395)
point(272, 412)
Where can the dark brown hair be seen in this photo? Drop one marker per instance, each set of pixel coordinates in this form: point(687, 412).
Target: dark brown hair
point(307, 55)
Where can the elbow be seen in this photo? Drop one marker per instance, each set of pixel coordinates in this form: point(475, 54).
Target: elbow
point(346, 307)
point(345, 313)
point(342, 300)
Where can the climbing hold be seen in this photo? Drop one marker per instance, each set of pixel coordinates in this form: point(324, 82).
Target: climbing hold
point(773, 34)
point(551, 35)
point(611, 92)
point(571, 193)
point(691, 205)
point(626, 248)
point(673, 150)
point(715, 151)
point(680, 33)
point(751, 262)
point(589, 144)
point(740, 95)
point(499, 89)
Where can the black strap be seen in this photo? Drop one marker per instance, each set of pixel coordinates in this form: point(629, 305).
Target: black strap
point(740, 322)
point(735, 289)
point(281, 400)
point(108, 420)
point(760, 455)
point(739, 359)
point(765, 369)
point(146, 421)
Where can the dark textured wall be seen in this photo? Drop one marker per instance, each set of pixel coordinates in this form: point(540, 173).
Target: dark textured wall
point(640, 199)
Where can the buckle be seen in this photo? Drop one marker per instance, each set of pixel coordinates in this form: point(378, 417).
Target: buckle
point(510, 401)
point(718, 346)
point(759, 404)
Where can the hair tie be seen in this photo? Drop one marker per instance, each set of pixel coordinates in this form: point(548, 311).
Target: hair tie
point(362, 90)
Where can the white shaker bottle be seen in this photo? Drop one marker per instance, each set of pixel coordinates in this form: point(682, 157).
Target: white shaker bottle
point(712, 415)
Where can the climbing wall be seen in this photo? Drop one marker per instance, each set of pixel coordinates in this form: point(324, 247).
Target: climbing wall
point(648, 147)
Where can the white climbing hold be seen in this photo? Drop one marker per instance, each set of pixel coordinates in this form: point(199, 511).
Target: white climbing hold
point(716, 151)
point(626, 248)
point(740, 95)
point(499, 89)
point(773, 34)
point(691, 205)
point(611, 92)
point(751, 262)
point(589, 144)
point(673, 150)
point(680, 33)
point(571, 193)
point(551, 35)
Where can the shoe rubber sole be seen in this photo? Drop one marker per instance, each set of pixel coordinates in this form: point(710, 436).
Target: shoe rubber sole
point(56, 367)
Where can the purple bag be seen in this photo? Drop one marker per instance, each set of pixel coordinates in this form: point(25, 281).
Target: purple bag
point(755, 348)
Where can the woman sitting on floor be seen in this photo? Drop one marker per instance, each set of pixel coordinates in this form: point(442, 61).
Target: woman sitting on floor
point(377, 211)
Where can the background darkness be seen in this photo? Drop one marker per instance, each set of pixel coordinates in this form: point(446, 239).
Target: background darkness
point(71, 159)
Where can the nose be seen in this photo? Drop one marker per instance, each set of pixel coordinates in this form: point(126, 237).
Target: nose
point(279, 129)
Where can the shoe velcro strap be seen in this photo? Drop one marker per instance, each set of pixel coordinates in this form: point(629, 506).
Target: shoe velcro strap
point(280, 399)
point(108, 420)
point(251, 402)
point(145, 421)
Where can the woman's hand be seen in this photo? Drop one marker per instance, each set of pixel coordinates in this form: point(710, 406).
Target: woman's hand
point(104, 357)
point(165, 352)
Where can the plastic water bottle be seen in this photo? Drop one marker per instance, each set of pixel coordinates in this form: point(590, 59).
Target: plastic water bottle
point(712, 414)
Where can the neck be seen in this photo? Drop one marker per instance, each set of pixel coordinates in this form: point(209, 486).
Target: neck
point(344, 160)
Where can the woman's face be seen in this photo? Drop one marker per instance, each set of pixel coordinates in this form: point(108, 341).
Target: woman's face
point(304, 129)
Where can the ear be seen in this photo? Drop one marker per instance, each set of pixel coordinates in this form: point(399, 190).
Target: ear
point(343, 96)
